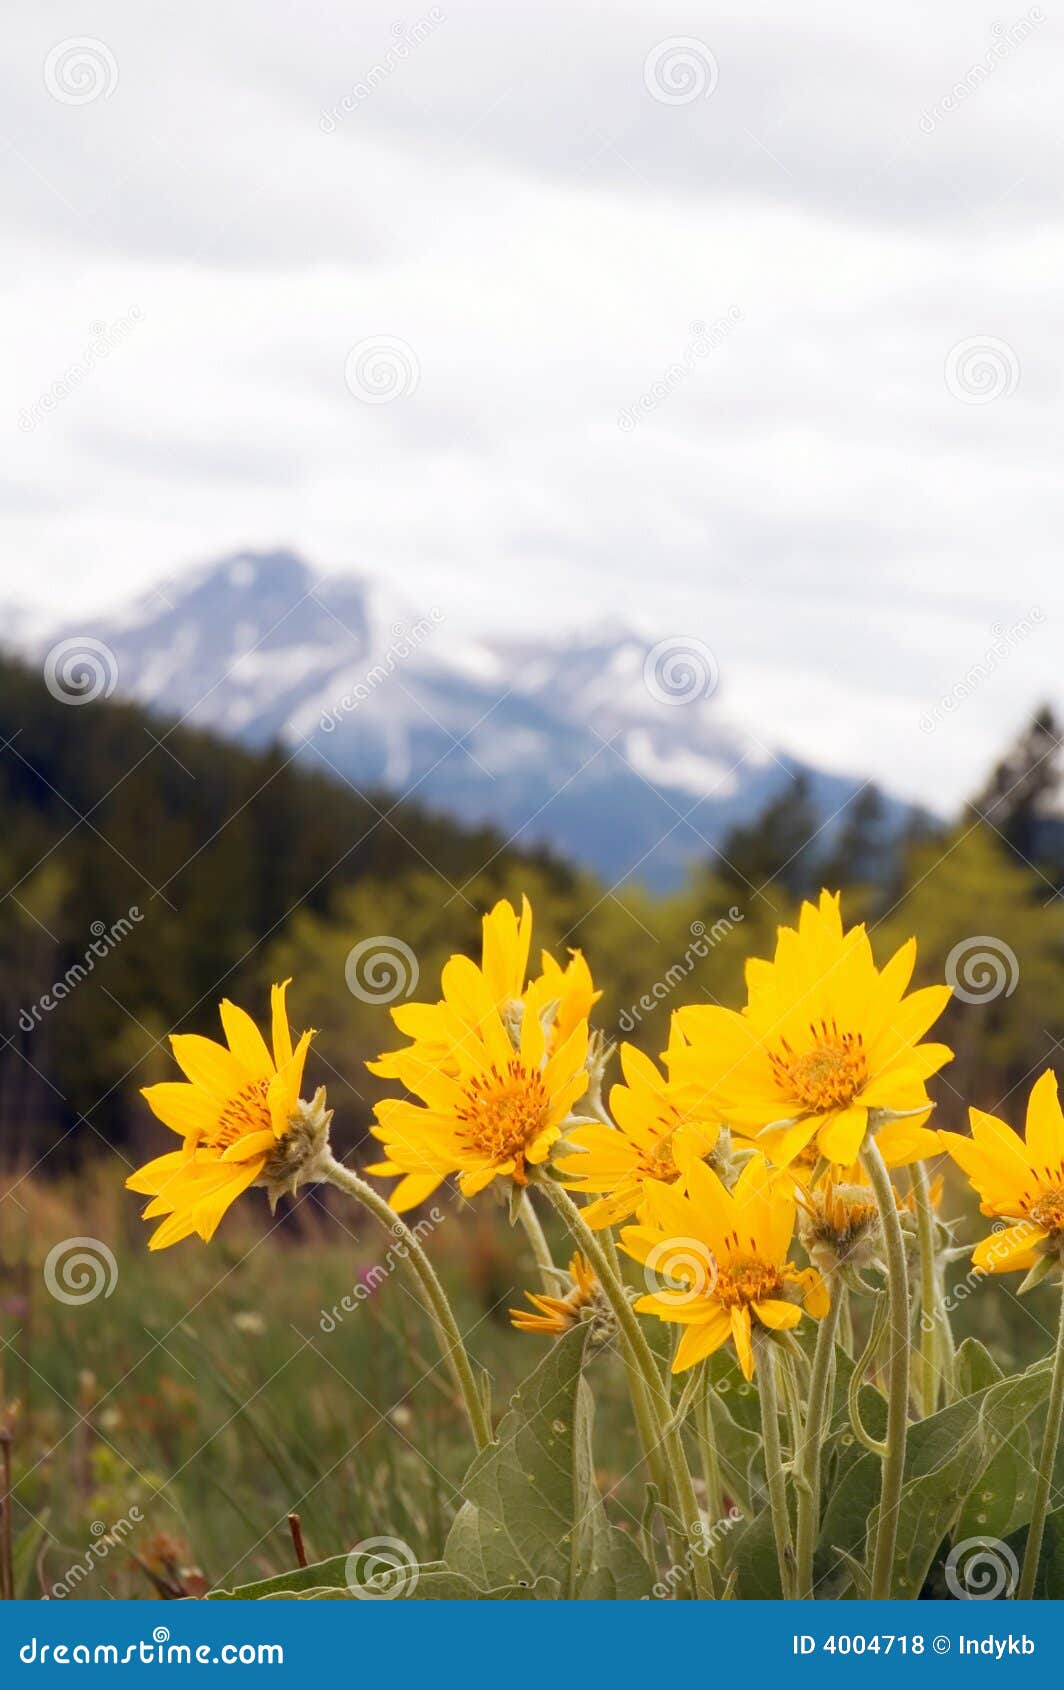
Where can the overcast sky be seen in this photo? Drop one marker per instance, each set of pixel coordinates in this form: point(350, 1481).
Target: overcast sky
point(743, 321)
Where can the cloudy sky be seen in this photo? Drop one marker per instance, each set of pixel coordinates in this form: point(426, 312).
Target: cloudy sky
point(744, 322)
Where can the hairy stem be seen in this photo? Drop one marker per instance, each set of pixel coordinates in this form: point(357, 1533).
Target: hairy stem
point(1050, 1440)
point(777, 1484)
point(632, 1334)
point(936, 1339)
point(817, 1420)
point(893, 1471)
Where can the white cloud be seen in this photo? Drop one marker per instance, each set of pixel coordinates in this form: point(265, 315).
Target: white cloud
point(511, 203)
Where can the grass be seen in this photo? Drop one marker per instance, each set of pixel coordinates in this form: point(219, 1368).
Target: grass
point(211, 1392)
point(164, 1432)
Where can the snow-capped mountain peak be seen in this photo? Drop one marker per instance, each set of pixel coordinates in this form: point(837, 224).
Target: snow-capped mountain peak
point(616, 750)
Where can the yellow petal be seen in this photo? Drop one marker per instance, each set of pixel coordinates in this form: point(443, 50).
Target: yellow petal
point(776, 1314)
point(246, 1042)
point(282, 1038)
point(209, 1065)
point(701, 1341)
point(182, 1107)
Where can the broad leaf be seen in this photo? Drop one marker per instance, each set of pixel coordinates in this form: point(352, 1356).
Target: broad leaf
point(946, 1456)
point(532, 1510)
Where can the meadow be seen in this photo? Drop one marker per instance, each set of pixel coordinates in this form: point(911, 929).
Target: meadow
point(163, 1434)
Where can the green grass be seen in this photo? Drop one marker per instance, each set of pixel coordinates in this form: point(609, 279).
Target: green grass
point(202, 1401)
point(204, 1393)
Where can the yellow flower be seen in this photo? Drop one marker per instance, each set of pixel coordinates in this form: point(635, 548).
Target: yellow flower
point(729, 1252)
point(557, 1314)
point(825, 1037)
point(1016, 1180)
point(236, 1107)
point(493, 1107)
point(657, 1136)
point(563, 996)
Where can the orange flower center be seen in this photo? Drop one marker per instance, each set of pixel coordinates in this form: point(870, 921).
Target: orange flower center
point(1048, 1211)
point(657, 1162)
point(247, 1112)
point(747, 1279)
point(830, 1075)
point(503, 1113)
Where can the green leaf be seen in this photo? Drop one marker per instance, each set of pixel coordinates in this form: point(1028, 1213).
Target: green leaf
point(26, 1550)
point(945, 1458)
point(752, 1558)
point(975, 1368)
point(1049, 1579)
point(1001, 1498)
point(318, 1575)
point(326, 1581)
point(532, 1510)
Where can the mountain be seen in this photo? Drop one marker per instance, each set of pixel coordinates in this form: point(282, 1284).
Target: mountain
point(615, 751)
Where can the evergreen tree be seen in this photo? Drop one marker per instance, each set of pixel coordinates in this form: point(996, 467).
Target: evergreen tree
point(776, 846)
point(1018, 797)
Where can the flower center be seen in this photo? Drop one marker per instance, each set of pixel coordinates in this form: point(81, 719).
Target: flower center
point(503, 1113)
point(247, 1112)
point(830, 1075)
point(1048, 1211)
point(747, 1279)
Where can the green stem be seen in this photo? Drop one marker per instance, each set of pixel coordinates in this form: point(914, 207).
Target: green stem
point(1050, 1440)
point(683, 1489)
point(777, 1484)
point(537, 1238)
point(817, 1421)
point(644, 1419)
point(707, 1450)
point(893, 1471)
point(846, 1334)
point(936, 1340)
point(450, 1338)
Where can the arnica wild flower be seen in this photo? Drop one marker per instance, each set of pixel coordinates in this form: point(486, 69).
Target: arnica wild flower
point(1019, 1180)
point(493, 1102)
point(729, 1251)
point(236, 1106)
point(555, 1315)
point(825, 1038)
point(562, 997)
point(658, 1134)
point(838, 1218)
